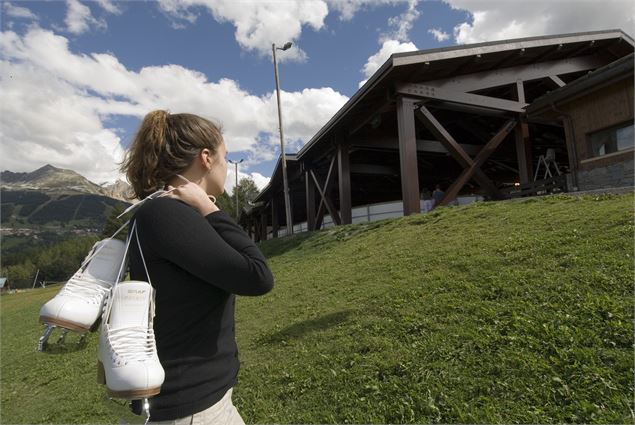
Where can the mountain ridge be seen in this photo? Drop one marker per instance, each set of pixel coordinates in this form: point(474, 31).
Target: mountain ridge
point(49, 178)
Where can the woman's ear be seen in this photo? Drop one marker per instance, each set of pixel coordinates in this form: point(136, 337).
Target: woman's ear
point(206, 158)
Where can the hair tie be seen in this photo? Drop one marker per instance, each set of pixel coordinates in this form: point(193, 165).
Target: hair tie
point(212, 198)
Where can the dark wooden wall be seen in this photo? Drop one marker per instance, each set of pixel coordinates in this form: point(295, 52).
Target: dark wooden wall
point(595, 111)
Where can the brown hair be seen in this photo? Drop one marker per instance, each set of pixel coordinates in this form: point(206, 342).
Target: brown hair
point(165, 145)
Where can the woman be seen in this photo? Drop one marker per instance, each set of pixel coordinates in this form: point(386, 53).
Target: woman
point(198, 260)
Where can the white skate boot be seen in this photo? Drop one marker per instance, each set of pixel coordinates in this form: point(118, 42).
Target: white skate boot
point(78, 305)
point(127, 360)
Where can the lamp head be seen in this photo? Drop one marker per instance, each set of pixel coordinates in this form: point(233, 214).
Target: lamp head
point(287, 46)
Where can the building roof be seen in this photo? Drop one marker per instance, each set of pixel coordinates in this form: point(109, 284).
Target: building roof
point(465, 59)
point(615, 71)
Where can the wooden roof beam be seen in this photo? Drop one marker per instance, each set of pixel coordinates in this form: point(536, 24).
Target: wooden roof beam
point(504, 76)
point(428, 92)
point(433, 146)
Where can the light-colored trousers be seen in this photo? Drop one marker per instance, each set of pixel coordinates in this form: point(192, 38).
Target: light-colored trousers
point(222, 413)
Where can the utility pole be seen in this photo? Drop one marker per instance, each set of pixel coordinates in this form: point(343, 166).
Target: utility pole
point(287, 202)
point(236, 187)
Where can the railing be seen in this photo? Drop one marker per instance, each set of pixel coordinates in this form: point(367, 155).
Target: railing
point(556, 184)
point(375, 212)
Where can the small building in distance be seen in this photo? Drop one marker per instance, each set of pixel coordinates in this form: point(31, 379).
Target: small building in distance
point(5, 286)
point(596, 111)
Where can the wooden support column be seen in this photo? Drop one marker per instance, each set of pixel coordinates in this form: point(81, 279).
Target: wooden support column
point(256, 229)
point(344, 177)
point(408, 156)
point(263, 225)
point(274, 218)
point(523, 151)
point(523, 143)
point(310, 200)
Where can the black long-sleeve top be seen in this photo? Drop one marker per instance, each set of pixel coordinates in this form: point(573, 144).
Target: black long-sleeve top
point(197, 265)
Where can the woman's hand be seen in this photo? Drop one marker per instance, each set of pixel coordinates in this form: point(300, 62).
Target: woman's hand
point(192, 194)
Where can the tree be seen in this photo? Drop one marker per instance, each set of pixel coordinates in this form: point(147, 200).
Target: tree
point(113, 223)
point(224, 202)
point(246, 192)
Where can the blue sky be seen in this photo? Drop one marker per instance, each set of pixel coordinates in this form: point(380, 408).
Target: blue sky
point(78, 76)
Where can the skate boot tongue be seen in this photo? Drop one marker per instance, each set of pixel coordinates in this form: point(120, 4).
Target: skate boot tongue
point(131, 304)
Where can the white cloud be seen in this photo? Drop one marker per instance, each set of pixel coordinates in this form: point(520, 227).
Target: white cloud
point(403, 23)
point(505, 19)
point(260, 180)
point(388, 48)
point(348, 8)
point(18, 11)
point(56, 104)
point(258, 24)
point(109, 6)
point(439, 34)
point(79, 18)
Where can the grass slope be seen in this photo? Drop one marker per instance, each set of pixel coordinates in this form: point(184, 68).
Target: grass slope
point(515, 312)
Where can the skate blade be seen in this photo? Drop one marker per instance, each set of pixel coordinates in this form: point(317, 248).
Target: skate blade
point(64, 324)
point(134, 394)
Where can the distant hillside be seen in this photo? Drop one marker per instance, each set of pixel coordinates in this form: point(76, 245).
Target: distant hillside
point(497, 312)
point(51, 196)
point(32, 207)
point(49, 178)
point(52, 204)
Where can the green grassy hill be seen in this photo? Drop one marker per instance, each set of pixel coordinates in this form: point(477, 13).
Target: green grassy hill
point(514, 312)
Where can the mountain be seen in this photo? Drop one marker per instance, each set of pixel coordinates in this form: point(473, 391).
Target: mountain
point(49, 178)
point(118, 190)
point(52, 199)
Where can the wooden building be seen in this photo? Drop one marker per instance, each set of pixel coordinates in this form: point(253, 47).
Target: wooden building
point(454, 117)
point(596, 112)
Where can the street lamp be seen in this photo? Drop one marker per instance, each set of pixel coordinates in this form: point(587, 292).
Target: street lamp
point(287, 203)
point(236, 187)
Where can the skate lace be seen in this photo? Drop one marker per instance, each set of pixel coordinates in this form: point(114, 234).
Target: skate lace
point(87, 288)
point(132, 343)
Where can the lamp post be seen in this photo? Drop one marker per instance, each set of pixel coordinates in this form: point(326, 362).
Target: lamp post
point(287, 202)
point(236, 187)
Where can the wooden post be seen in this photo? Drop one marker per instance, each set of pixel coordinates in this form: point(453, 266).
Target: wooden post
point(263, 225)
point(523, 151)
point(523, 144)
point(344, 177)
point(408, 156)
point(257, 232)
point(274, 218)
point(310, 200)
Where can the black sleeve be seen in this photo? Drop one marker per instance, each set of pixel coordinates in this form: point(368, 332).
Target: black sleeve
point(213, 248)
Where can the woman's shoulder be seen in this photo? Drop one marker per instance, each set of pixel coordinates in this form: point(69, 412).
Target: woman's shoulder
point(159, 207)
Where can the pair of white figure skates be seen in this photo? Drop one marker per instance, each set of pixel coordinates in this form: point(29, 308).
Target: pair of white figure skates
point(127, 361)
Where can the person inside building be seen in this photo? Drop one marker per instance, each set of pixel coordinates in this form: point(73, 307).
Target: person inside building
point(437, 195)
